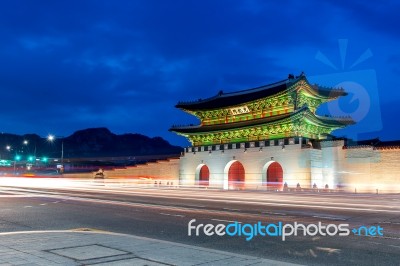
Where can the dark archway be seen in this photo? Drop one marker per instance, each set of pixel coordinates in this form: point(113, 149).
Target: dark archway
point(236, 176)
point(204, 176)
point(275, 176)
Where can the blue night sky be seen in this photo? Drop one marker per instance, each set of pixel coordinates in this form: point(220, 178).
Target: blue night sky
point(70, 65)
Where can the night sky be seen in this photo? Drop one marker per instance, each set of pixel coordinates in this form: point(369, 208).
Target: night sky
point(70, 65)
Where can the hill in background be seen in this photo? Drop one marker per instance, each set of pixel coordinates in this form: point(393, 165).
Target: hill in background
point(91, 142)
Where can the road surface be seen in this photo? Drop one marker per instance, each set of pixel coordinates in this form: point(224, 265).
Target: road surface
point(164, 213)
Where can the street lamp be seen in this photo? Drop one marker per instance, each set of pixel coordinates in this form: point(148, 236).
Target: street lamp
point(51, 138)
point(17, 157)
point(8, 148)
point(24, 147)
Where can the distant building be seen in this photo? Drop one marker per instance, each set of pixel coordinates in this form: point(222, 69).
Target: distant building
point(270, 137)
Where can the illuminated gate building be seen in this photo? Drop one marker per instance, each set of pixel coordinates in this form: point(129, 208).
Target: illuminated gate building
point(261, 138)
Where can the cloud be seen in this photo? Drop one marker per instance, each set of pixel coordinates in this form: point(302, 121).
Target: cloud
point(43, 42)
point(124, 65)
point(382, 17)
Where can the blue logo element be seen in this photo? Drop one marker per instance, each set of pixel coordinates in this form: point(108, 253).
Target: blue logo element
point(362, 104)
point(368, 231)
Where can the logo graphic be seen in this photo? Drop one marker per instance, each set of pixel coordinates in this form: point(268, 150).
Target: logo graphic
point(368, 231)
point(362, 103)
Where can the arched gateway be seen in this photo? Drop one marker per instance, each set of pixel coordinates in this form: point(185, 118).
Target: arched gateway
point(275, 176)
point(202, 175)
point(234, 175)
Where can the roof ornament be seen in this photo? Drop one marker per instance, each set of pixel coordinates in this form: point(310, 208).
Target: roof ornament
point(220, 92)
point(302, 74)
point(290, 76)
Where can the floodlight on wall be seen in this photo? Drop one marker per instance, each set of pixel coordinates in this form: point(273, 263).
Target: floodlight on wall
point(245, 150)
point(261, 149)
point(310, 144)
point(209, 152)
point(283, 147)
point(272, 158)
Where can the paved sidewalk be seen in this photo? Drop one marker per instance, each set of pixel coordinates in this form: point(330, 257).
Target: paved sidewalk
point(80, 247)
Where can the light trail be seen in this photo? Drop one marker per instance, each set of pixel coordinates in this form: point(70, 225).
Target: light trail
point(225, 221)
point(247, 202)
point(172, 194)
point(169, 214)
point(249, 198)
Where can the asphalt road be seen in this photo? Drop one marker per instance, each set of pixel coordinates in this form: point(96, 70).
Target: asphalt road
point(164, 213)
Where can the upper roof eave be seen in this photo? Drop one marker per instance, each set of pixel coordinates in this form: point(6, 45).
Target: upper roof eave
point(339, 121)
point(236, 98)
point(223, 100)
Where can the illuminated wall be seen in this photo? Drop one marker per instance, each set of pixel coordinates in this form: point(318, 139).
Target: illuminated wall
point(365, 169)
point(300, 165)
point(160, 170)
point(359, 169)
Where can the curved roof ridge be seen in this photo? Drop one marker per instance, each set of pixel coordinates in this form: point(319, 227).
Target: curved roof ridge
point(222, 100)
point(335, 118)
point(328, 91)
point(254, 89)
point(221, 94)
point(237, 98)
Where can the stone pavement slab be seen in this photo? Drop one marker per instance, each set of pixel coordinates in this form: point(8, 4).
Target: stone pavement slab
point(72, 247)
point(87, 252)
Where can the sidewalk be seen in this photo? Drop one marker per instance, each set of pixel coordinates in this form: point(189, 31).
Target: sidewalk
point(81, 247)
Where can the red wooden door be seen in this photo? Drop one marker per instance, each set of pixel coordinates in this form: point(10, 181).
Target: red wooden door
point(204, 176)
point(275, 176)
point(236, 176)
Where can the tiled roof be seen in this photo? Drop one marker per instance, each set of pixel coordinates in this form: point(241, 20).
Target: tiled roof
point(234, 98)
point(222, 99)
point(375, 143)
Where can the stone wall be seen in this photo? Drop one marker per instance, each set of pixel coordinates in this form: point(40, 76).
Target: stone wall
point(369, 169)
point(357, 169)
point(296, 163)
point(361, 168)
point(160, 171)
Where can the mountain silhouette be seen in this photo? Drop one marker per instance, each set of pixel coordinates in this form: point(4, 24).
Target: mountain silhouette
point(91, 142)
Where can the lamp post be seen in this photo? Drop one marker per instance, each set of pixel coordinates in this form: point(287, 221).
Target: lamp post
point(25, 143)
point(17, 157)
point(8, 148)
point(51, 138)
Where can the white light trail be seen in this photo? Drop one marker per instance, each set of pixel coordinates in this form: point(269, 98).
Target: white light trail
point(257, 198)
